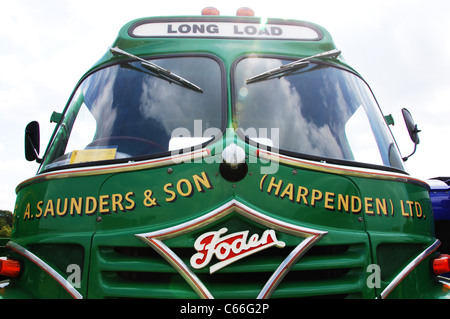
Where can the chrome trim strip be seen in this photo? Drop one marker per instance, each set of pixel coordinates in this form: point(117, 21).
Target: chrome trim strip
point(394, 283)
point(339, 169)
point(286, 266)
point(114, 168)
point(181, 267)
point(4, 283)
point(154, 239)
point(45, 267)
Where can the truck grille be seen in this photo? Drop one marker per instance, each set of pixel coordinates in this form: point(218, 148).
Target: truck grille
point(327, 271)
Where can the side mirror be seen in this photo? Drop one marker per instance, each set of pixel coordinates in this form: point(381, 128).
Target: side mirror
point(412, 130)
point(32, 142)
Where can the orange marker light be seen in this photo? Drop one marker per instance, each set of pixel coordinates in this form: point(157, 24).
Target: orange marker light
point(9, 268)
point(245, 12)
point(441, 265)
point(210, 11)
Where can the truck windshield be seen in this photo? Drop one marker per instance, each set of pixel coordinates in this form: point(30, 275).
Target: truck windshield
point(126, 111)
point(318, 112)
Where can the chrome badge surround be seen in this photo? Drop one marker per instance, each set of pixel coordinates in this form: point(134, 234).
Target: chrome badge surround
point(155, 240)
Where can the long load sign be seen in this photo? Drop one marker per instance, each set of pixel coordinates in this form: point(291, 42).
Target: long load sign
point(225, 29)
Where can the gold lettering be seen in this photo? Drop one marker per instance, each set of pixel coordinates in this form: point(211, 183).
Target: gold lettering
point(419, 212)
point(404, 214)
point(329, 200)
point(131, 202)
point(381, 205)
point(204, 180)
point(288, 190)
point(58, 206)
point(316, 196)
point(410, 203)
point(103, 204)
point(343, 203)
point(91, 208)
point(301, 194)
point(39, 208)
point(180, 187)
point(356, 205)
point(392, 207)
point(272, 184)
point(116, 201)
point(76, 205)
point(261, 183)
point(27, 212)
point(49, 208)
point(170, 192)
point(368, 203)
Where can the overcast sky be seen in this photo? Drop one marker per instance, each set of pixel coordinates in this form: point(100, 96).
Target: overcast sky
point(401, 47)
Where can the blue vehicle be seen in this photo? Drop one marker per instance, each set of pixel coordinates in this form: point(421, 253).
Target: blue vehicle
point(440, 201)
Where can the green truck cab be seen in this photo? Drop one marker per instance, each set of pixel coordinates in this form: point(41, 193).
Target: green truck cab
point(222, 157)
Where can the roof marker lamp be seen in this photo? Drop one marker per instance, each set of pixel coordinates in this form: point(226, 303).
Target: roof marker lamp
point(245, 12)
point(210, 11)
point(441, 265)
point(9, 268)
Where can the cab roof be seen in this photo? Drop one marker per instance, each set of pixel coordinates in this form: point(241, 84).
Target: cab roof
point(225, 36)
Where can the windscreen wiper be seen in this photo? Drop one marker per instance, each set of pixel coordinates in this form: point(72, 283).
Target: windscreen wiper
point(165, 73)
point(286, 68)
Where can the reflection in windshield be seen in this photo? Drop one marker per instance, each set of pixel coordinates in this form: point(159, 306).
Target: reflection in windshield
point(124, 111)
point(318, 110)
point(158, 71)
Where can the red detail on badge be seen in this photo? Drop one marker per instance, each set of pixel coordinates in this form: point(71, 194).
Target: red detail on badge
point(230, 248)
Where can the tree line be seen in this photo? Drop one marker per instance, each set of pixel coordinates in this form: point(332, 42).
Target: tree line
point(6, 221)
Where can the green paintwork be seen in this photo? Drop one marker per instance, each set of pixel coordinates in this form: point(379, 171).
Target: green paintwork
point(103, 241)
